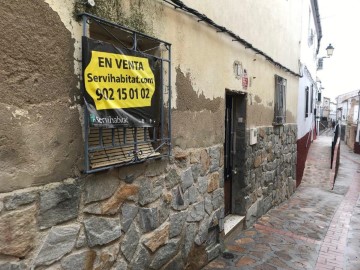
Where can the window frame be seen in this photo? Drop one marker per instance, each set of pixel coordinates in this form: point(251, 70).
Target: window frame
point(307, 101)
point(280, 100)
point(123, 146)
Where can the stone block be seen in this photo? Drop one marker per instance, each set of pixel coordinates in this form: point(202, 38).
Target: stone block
point(202, 184)
point(130, 242)
point(187, 179)
point(269, 177)
point(176, 263)
point(150, 190)
point(128, 214)
point(277, 130)
point(172, 179)
point(101, 230)
point(164, 211)
point(157, 238)
point(214, 182)
point(149, 219)
point(205, 160)
point(214, 153)
point(258, 161)
point(123, 193)
point(221, 178)
point(106, 257)
point(82, 260)
point(218, 198)
point(141, 259)
point(81, 240)
point(58, 204)
point(179, 200)
point(17, 232)
point(180, 155)
point(145, 192)
point(177, 221)
point(196, 171)
point(13, 201)
point(195, 157)
point(216, 217)
point(164, 254)
point(193, 194)
point(287, 158)
point(190, 234)
point(13, 266)
point(196, 212)
point(58, 242)
point(95, 208)
point(120, 264)
point(201, 237)
point(208, 203)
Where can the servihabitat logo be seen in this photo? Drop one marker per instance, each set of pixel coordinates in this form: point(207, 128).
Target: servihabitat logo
point(108, 120)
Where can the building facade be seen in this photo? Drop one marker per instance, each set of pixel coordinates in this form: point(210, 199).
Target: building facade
point(229, 104)
point(348, 117)
point(308, 87)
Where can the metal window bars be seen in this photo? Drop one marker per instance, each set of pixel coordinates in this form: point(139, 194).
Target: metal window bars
point(107, 148)
point(280, 101)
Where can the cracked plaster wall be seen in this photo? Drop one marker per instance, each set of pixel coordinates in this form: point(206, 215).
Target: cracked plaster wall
point(41, 55)
point(39, 127)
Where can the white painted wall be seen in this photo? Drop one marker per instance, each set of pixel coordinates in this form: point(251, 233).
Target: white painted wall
point(207, 56)
point(309, 45)
point(272, 26)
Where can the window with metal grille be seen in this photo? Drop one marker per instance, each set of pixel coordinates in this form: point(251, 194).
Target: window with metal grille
point(280, 101)
point(306, 101)
point(125, 144)
point(312, 99)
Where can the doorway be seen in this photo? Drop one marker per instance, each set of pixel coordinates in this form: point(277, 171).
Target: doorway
point(234, 148)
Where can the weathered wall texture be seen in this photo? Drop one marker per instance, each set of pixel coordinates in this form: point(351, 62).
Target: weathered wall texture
point(135, 217)
point(195, 116)
point(209, 61)
point(39, 127)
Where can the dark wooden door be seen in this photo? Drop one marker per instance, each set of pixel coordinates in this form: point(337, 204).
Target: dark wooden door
point(227, 153)
point(234, 147)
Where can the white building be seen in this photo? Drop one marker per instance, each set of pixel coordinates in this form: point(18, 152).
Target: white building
point(307, 94)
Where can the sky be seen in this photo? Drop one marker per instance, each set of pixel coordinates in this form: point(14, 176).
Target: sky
point(340, 21)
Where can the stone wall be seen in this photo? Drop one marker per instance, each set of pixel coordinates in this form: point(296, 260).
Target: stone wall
point(269, 172)
point(155, 215)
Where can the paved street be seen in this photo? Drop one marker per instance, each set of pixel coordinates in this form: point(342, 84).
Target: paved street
point(317, 228)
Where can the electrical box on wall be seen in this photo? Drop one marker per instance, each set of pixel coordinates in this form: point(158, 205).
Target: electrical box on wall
point(253, 136)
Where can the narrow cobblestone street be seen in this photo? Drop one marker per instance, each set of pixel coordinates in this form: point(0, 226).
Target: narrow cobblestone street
point(317, 228)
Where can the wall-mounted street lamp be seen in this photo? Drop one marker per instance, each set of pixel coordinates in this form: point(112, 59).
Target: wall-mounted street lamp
point(329, 52)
